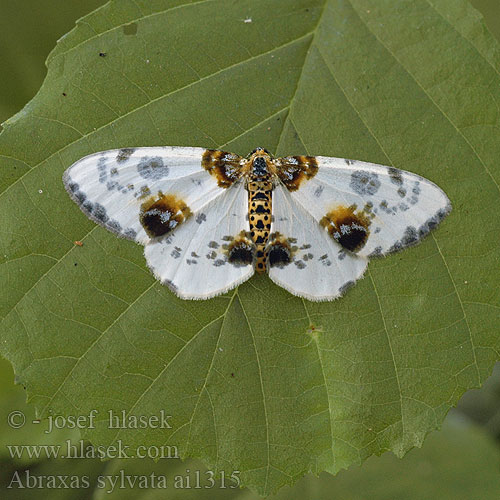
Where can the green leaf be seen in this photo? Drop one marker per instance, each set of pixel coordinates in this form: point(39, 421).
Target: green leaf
point(250, 385)
point(459, 463)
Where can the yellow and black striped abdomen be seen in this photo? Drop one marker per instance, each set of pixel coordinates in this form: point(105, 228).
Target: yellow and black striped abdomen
point(260, 196)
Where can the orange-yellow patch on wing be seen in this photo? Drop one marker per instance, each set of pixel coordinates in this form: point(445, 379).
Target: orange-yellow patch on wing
point(347, 227)
point(294, 170)
point(162, 214)
point(225, 167)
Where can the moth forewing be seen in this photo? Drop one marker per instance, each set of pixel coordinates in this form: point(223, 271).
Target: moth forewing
point(372, 209)
point(113, 187)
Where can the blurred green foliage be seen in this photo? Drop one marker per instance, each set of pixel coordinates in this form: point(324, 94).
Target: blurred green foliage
point(29, 30)
point(490, 9)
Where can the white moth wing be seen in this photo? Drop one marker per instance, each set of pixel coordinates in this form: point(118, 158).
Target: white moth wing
point(194, 260)
point(319, 268)
point(401, 207)
point(111, 186)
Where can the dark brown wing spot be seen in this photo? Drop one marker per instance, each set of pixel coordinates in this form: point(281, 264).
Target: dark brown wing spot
point(279, 255)
point(163, 214)
point(241, 251)
point(348, 228)
point(225, 167)
point(293, 170)
point(279, 252)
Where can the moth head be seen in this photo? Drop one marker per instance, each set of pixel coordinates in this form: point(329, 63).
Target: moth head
point(260, 151)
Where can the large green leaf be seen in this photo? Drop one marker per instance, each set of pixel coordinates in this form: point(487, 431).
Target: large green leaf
point(250, 384)
point(460, 462)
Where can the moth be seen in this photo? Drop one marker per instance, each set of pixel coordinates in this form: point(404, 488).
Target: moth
point(209, 219)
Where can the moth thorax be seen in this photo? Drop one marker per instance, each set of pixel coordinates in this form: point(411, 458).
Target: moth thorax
point(259, 167)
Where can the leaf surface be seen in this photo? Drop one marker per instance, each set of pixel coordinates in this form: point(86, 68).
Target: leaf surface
point(258, 380)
